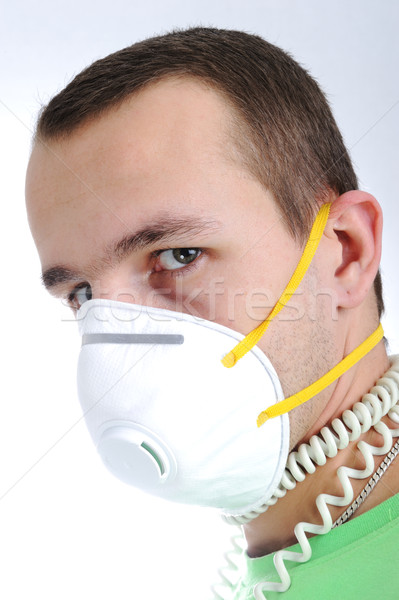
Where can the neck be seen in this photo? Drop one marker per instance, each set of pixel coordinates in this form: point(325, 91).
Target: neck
point(274, 529)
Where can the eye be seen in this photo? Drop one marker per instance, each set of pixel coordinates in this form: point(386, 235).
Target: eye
point(176, 258)
point(80, 295)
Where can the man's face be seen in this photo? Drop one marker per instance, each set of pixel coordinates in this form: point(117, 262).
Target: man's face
point(149, 204)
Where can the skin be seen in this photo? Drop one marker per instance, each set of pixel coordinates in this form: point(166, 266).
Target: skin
point(167, 154)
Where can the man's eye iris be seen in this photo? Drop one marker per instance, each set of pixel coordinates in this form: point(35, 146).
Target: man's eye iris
point(185, 255)
point(176, 258)
point(80, 295)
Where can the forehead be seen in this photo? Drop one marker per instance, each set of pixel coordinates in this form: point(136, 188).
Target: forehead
point(168, 147)
point(173, 126)
point(171, 119)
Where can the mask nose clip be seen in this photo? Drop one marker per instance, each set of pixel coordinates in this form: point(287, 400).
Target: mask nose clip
point(136, 455)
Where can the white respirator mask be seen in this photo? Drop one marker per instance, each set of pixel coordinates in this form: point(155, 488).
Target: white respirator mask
point(168, 417)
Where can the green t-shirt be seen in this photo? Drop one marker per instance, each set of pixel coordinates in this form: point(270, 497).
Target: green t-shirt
point(355, 561)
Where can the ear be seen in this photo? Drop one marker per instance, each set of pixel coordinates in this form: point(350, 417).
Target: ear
point(355, 225)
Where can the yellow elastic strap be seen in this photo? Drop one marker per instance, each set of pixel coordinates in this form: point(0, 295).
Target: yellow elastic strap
point(311, 246)
point(312, 390)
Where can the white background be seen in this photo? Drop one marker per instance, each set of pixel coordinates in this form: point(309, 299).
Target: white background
point(68, 529)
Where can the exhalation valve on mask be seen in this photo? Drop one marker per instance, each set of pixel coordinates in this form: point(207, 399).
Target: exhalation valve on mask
point(168, 418)
point(136, 455)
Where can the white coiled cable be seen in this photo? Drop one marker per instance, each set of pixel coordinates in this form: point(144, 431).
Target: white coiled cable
point(230, 572)
point(382, 400)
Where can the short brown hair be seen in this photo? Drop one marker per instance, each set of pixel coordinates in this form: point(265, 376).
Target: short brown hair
point(288, 136)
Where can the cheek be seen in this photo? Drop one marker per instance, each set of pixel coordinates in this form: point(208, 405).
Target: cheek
point(235, 294)
point(228, 298)
point(209, 291)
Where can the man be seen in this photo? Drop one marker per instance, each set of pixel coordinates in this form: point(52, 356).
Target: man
point(184, 174)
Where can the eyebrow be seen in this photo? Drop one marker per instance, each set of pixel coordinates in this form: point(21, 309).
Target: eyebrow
point(161, 231)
